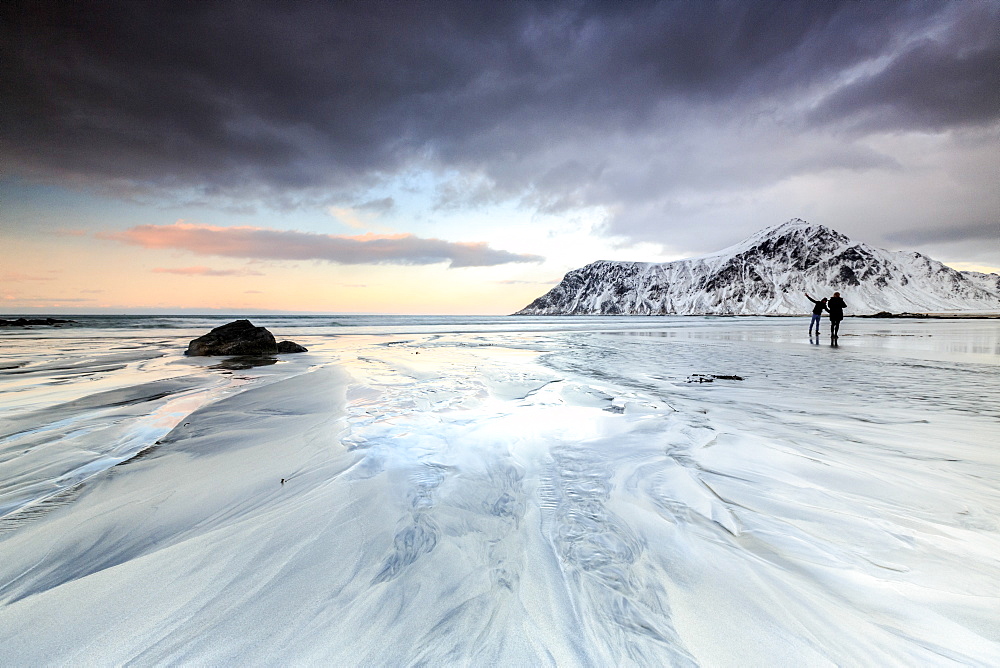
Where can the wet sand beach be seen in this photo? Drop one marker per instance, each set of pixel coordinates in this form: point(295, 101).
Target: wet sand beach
point(506, 491)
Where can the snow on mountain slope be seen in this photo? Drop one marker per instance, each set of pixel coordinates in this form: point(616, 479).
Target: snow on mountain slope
point(768, 273)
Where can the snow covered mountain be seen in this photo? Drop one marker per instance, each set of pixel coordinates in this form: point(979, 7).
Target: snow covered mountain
point(767, 274)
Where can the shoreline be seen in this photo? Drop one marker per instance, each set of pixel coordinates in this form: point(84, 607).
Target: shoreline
point(882, 315)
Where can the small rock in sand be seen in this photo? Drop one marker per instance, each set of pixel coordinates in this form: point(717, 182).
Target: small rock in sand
point(291, 347)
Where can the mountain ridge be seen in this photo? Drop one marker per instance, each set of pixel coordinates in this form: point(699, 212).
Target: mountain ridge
point(767, 274)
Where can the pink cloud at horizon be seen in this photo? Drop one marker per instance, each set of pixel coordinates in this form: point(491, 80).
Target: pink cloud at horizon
point(266, 243)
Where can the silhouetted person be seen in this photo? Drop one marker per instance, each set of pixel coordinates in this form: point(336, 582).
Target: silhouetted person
point(836, 307)
point(818, 308)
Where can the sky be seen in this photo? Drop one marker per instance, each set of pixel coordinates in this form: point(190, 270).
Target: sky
point(461, 157)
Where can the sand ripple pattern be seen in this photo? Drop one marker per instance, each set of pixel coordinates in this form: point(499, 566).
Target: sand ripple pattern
point(626, 615)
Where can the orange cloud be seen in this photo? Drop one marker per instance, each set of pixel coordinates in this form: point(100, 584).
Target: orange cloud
point(205, 271)
point(348, 217)
point(15, 277)
point(263, 243)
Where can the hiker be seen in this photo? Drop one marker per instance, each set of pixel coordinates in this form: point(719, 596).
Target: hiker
point(836, 307)
point(818, 307)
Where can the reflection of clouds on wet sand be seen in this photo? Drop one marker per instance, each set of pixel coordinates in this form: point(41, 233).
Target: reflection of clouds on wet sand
point(538, 499)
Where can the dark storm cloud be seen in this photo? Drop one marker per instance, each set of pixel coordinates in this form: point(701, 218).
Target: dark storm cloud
point(936, 82)
point(983, 231)
point(644, 108)
point(292, 96)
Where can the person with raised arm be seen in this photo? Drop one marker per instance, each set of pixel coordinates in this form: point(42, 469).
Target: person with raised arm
point(819, 305)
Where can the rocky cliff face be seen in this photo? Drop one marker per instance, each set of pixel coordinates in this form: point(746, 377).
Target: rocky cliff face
point(767, 274)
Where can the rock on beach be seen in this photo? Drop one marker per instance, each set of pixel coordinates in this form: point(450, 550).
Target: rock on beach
point(240, 337)
point(290, 347)
point(28, 322)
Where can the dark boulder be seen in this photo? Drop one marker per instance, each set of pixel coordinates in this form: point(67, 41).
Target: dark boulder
point(239, 337)
point(291, 347)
